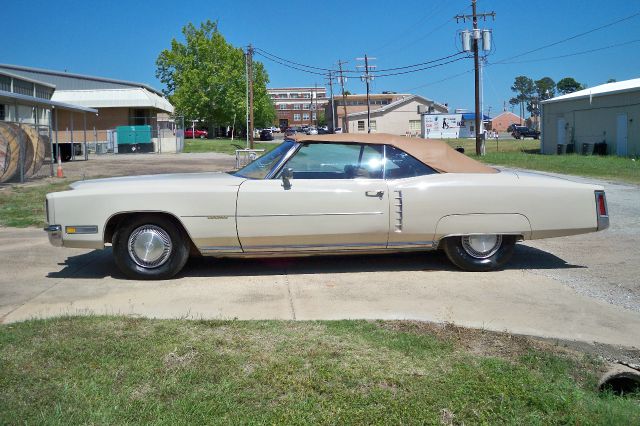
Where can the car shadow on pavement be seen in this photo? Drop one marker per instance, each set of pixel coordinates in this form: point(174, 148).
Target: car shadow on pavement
point(100, 264)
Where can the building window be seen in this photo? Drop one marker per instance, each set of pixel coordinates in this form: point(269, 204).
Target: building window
point(414, 125)
point(307, 106)
point(314, 116)
point(373, 125)
point(1, 112)
point(361, 125)
point(294, 95)
point(297, 106)
point(306, 95)
point(296, 117)
point(5, 83)
point(305, 116)
point(282, 106)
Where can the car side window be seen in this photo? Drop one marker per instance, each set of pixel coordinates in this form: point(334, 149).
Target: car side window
point(336, 161)
point(399, 165)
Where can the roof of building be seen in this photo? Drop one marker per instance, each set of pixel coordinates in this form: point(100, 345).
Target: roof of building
point(505, 113)
point(601, 90)
point(70, 81)
point(472, 116)
point(132, 97)
point(30, 100)
point(30, 80)
point(397, 103)
point(435, 153)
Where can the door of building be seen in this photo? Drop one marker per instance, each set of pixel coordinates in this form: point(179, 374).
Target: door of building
point(621, 134)
point(562, 131)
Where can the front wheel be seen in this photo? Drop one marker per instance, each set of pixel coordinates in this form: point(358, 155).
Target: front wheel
point(150, 248)
point(479, 253)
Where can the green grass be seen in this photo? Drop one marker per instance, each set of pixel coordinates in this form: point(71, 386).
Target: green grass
point(22, 206)
point(117, 370)
point(603, 167)
point(223, 146)
point(525, 154)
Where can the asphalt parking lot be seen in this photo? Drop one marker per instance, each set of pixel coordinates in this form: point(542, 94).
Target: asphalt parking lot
point(582, 287)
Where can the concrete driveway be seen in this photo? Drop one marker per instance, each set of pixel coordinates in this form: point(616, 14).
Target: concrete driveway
point(578, 288)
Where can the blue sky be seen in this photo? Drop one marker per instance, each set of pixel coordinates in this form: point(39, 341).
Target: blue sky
point(121, 39)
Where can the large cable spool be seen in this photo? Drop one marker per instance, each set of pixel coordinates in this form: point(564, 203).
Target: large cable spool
point(38, 148)
point(9, 152)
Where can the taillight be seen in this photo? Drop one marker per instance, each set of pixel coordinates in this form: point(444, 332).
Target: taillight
point(602, 214)
point(602, 204)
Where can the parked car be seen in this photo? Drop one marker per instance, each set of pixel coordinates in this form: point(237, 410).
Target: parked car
point(337, 130)
point(189, 133)
point(266, 135)
point(323, 131)
point(311, 131)
point(521, 132)
point(335, 194)
point(290, 131)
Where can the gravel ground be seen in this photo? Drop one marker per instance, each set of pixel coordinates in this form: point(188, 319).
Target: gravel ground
point(606, 265)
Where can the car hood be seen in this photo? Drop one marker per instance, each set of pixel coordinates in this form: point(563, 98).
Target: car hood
point(165, 181)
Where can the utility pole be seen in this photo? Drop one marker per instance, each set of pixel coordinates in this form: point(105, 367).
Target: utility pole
point(476, 34)
point(367, 77)
point(333, 110)
point(345, 122)
point(250, 71)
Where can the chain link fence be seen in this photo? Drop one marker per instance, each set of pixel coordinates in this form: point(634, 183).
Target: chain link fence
point(30, 150)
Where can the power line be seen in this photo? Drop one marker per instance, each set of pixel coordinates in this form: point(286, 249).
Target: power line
point(377, 75)
point(422, 69)
point(451, 77)
point(295, 64)
point(571, 38)
point(406, 30)
point(584, 52)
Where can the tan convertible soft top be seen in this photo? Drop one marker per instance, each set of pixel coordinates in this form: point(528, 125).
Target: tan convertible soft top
point(433, 152)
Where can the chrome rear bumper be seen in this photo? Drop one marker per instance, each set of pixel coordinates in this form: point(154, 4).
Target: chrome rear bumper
point(55, 235)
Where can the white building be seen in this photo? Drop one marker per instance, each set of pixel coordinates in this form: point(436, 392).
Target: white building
point(449, 126)
point(400, 117)
point(607, 113)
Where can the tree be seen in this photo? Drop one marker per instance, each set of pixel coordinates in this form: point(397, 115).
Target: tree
point(525, 88)
point(545, 88)
point(205, 78)
point(322, 121)
point(611, 80)
point(568, 85)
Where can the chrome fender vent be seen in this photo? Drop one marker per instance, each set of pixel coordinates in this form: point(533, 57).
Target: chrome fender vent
point(397, 205)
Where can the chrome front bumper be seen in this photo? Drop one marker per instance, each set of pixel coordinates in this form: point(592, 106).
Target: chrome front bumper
point(55, 235)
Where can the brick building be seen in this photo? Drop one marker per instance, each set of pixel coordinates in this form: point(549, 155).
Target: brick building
point(297, 106)
point(502, 121)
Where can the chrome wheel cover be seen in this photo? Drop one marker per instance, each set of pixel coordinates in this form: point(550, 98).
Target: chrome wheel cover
point(481, 246)
point(149, 246)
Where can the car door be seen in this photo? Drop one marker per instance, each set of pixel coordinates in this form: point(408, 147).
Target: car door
point(337, 200)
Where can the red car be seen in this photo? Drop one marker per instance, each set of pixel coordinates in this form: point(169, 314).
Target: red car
point(189, 133)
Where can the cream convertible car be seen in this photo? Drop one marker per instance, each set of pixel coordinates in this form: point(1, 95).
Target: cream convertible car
point(322, 194)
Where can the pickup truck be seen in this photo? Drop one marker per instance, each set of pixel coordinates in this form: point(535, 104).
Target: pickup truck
point(521, 132)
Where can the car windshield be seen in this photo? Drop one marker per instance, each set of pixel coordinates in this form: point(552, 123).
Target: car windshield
point(259, 168)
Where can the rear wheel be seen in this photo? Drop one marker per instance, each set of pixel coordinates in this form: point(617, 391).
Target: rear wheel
point(479, 253)
point(150, 248)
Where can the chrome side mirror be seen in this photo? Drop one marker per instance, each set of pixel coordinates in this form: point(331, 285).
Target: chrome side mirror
point(287, 174)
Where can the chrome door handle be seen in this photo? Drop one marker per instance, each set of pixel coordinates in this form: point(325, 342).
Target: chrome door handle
point(378, 194)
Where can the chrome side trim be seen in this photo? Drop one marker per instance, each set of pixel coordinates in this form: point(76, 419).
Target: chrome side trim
point(313, 214)
point(397, 204)
point(221, 248)
point(314, 246)
point(411, 244)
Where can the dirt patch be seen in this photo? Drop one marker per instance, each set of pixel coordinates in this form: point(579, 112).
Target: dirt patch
point(512, 346)
point(173, 360)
